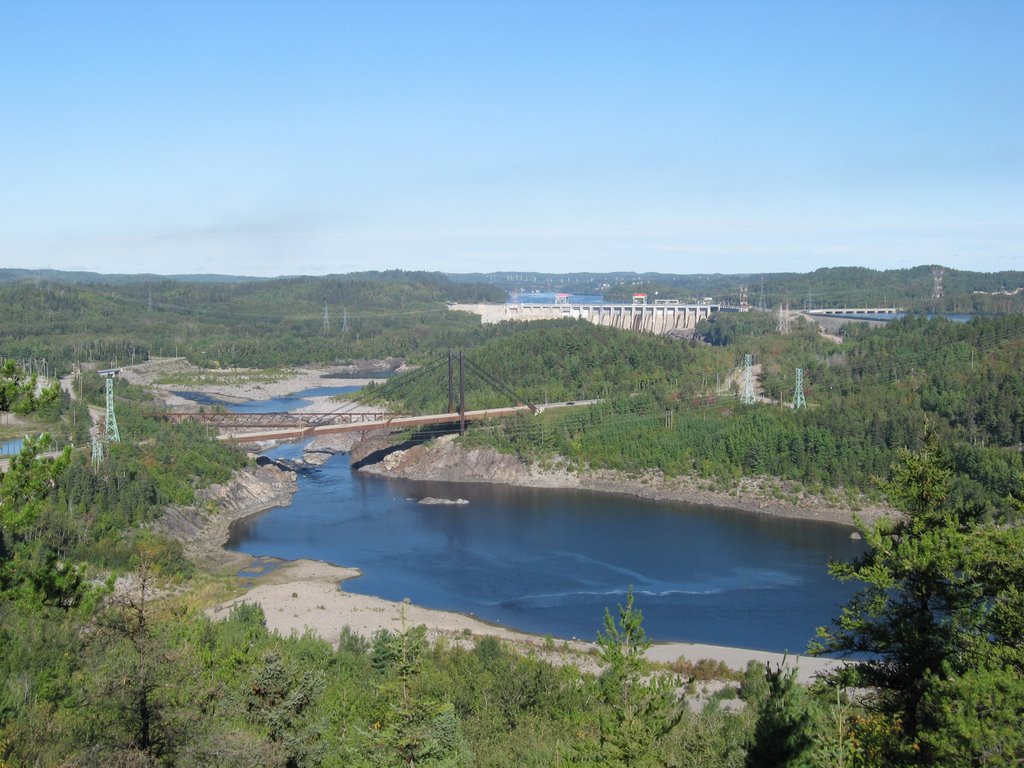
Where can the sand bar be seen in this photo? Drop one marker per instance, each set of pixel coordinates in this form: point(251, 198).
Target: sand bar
point(306, 595)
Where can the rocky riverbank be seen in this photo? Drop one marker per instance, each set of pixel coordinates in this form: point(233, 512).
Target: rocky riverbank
point(447, 460)
point(204, 527)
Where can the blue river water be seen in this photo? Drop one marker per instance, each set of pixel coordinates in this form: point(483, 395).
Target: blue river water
point(550, 561)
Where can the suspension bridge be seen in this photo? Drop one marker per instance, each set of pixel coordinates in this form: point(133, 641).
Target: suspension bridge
point(261, 427)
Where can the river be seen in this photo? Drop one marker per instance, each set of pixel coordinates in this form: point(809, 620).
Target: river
point(550, 561)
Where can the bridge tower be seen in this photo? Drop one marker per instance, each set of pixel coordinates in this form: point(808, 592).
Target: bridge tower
point(798, 395)
point(748, 380)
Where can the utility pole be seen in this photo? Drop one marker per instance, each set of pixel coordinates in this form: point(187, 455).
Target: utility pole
point(748, 380)
point(798, 395)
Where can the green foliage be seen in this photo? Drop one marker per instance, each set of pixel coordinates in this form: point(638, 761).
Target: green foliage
point(555, 361)
point(263, 323)
point(18, 391)
point(642, 709)
point(939, 613)
point(783, 736)
point(414, 728)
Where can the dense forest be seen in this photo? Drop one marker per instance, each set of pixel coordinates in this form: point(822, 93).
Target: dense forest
point(108, 658)
point(264, 323)
point(220, 321)
point(665, 406)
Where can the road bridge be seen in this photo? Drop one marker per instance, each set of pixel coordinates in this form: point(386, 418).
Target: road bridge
point(282, 419)
point(391, 422)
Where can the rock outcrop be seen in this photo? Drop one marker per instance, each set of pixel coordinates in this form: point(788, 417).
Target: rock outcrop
point(204, 526)
point(446, 459)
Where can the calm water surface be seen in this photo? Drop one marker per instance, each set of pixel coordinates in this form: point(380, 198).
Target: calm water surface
point(550, 561)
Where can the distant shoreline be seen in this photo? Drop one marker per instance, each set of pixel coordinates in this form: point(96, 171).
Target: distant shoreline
point(444, 460)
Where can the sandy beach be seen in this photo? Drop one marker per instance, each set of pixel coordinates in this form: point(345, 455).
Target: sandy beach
point(305, 595)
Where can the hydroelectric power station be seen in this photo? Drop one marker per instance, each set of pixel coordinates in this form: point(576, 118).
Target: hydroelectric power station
point(659, 317)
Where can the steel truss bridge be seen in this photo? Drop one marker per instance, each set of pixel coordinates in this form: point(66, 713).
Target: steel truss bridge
point(285, 419)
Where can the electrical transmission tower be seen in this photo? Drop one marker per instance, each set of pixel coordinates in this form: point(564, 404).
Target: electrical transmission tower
point(344, 320)
point(798, 394)
point(112, 436)
point(784, 318)
point(327, 320)
point(744, 304)
point(748, 380)
point(97, 452)
point(937, 273)
point(760, 302)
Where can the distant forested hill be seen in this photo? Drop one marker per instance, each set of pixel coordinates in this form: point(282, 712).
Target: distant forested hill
point(260, 323)
point(830, 287)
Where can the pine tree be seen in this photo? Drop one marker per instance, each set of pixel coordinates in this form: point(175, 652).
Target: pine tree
point(642, 707)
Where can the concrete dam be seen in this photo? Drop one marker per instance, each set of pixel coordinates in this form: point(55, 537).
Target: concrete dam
point(660, 317)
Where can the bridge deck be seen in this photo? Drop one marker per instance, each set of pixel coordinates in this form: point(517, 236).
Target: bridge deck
point(291, 430)
point(387, 421)
point(275, 419)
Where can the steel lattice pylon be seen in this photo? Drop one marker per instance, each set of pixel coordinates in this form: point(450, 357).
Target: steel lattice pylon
point(112, 434)
point(798, 395)
point(97, 452)
point(748, 380)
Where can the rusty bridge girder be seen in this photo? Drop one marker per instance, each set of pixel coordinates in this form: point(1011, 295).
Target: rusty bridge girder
point(276, 419)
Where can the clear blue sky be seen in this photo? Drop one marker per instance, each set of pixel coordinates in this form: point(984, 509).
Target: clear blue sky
point(300, 137)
